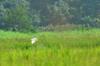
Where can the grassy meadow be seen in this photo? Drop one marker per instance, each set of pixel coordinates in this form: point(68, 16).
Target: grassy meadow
point(68, 48)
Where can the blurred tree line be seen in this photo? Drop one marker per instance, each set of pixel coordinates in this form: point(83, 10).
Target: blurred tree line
point(28, 15)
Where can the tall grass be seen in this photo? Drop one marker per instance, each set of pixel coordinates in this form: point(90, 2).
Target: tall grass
point(69, 48)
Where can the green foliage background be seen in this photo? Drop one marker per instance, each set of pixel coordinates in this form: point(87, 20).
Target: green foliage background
point(27, 15)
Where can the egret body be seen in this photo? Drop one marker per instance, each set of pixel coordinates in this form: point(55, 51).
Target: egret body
point(33, 40)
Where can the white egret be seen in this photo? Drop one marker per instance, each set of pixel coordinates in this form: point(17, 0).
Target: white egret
point(33, 40)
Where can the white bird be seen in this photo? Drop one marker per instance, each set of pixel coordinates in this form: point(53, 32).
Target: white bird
point(33, 40)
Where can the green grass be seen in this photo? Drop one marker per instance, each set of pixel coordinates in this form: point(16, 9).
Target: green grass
point(69, 48)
